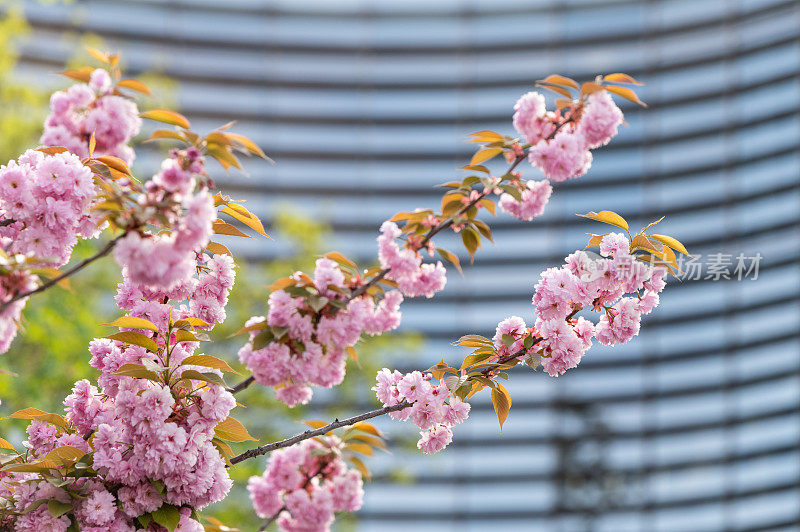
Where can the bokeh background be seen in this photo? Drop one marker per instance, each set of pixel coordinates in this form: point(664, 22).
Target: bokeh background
point(365, 106)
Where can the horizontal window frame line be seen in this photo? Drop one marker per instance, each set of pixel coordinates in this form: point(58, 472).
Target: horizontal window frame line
point(26, 56)
point(507, 297)
point(642, 216)
point(725, 496)
point(726, 23)
point(653, 322)
point(283, 11)
point(639, 473)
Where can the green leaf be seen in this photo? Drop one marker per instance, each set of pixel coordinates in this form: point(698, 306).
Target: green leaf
point(66, 454)
point(474, 359)
point(145, 519)
point(58, 508)
point(135, 338)
point(483, 228)
point(513, 191)
point(471, 240)
point(508, 340)
point(167, 516)
point(209, 377)
point(279, 332)
point(528, 342)
point(137, 371)
point(262, 339)
point(450, 257)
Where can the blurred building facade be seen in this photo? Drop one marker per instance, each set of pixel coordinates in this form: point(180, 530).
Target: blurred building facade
point(365, 106)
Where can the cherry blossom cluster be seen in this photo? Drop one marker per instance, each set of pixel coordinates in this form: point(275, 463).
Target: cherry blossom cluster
point(305, 484)
point(45, 202)
point(312, 329)
point(315, 328)
point(205, 295)
point(566, 154)
point(413, 278)
point(432, 407)
point(92, 108)
point(151, 443)
point(601, 283)
point(560, 144)
point(166, 260)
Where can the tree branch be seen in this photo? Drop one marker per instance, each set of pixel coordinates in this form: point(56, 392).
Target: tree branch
point(380, 275)
point(242, 385)
point(264, 449)
point(271, 520)
point(67, 273)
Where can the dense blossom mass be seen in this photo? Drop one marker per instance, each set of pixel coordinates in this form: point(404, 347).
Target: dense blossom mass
point(165, 260)
point(45, 206)
point(313, 347)
point(45, 201)
point(560, 144)
point(305, 484)
point(47, 196)
point(91, 108)
point(151, 441)
point(414, 279)
point(432, 407)
point(615, 283)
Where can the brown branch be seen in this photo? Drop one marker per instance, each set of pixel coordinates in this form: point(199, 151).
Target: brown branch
point(242, 385)
point(271, 520)
point(264, 449)
point(67, 273)
point(433, 231)
point(536, 339)
point(366, 286)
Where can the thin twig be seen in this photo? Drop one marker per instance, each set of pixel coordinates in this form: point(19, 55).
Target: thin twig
point(75, 269)
point(264, 449)
point(366, 286)
point(271, 520)
point(242, 385)
point(380, 275)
